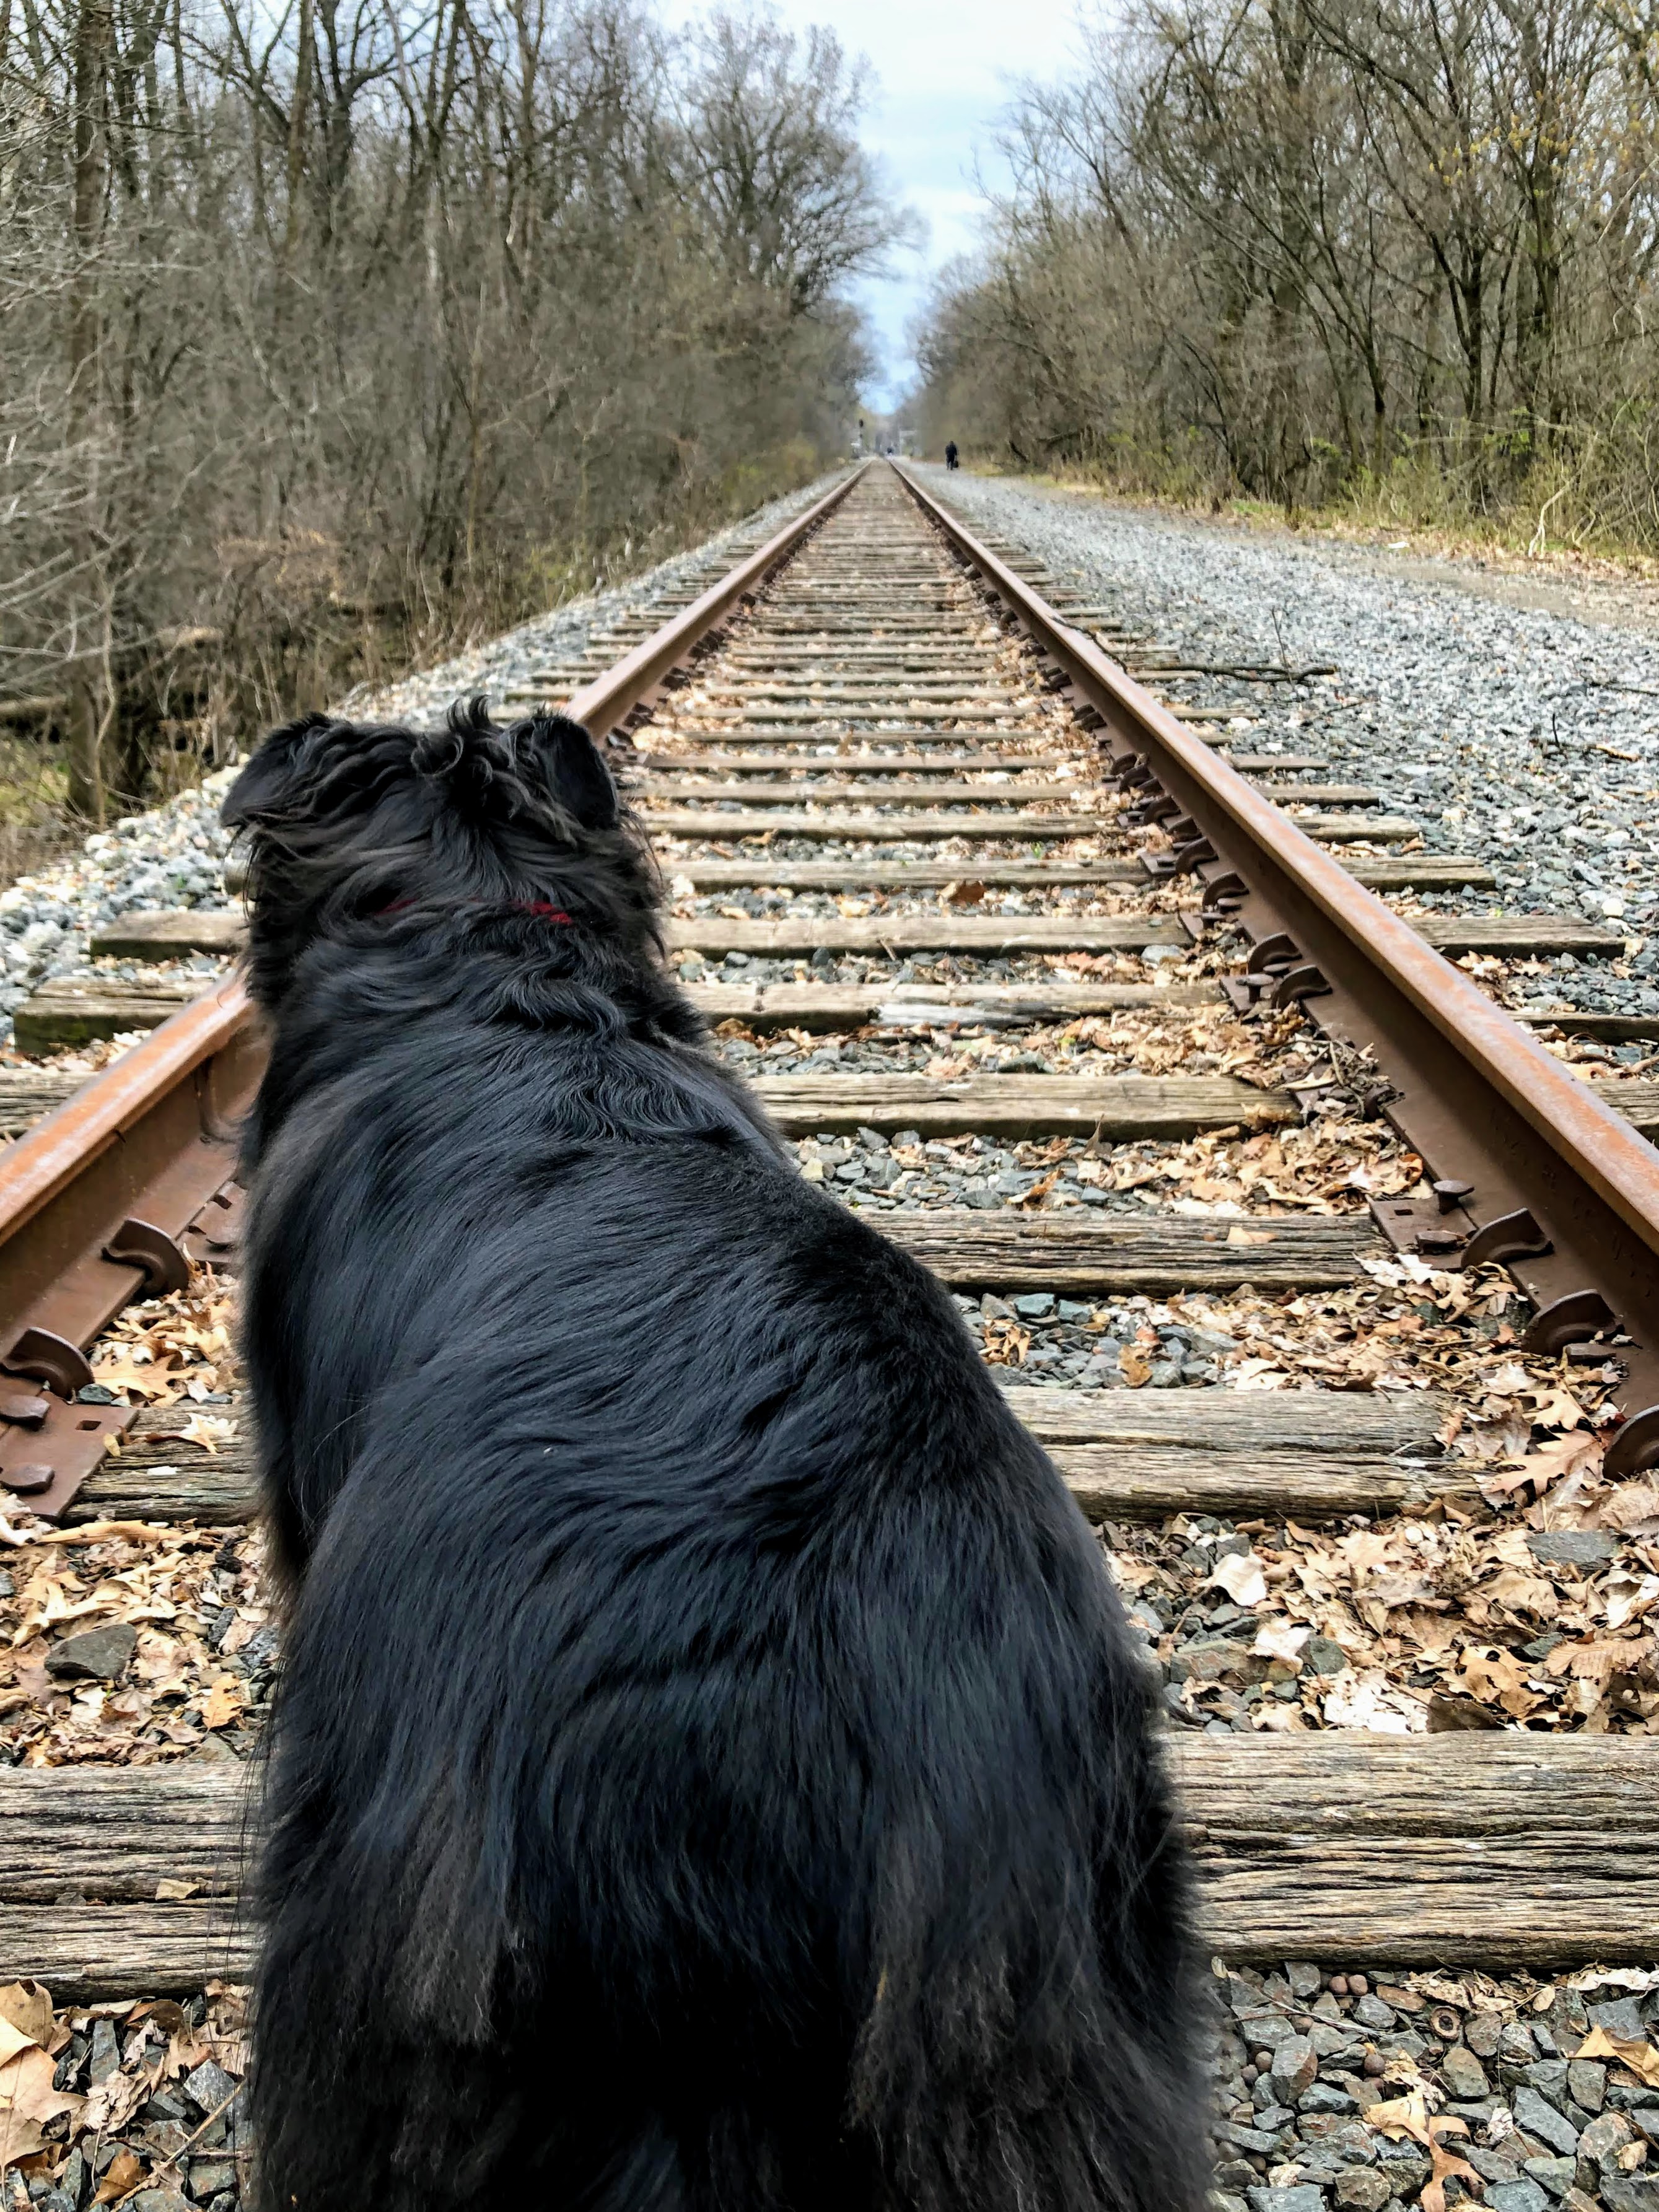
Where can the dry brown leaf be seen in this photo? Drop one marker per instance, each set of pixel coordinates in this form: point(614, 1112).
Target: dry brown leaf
point(1134, 1366)
point(115, 2100)
point(122, 2176)
point(1641, 2058)
point(1633, 1507)
point(27, 2100)
point(209, 1430)
point(27, 2007)
point(223, 1701)
point(1493, 1676)
point(1446, 2162)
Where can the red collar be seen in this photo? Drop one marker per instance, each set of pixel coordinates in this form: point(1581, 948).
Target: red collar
point(543, 908)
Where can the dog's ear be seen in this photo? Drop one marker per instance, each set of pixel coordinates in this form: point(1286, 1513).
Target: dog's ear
point(569, 765)
point(267, 786)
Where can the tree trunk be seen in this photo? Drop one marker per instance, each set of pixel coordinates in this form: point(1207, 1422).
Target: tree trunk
point(88, 716)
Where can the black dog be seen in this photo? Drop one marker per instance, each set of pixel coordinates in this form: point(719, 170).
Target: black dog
point(710, 1773)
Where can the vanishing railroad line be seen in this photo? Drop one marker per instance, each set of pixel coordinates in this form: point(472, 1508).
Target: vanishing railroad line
point(903, 798)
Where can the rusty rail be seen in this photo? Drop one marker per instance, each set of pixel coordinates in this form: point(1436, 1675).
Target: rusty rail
point(108, 1199)
point(601, 705)
point(1537, 1172)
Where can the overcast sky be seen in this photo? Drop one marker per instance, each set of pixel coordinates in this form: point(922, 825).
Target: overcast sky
point(946, 68)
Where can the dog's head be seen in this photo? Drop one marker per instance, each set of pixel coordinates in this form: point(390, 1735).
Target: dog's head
point(349, 823)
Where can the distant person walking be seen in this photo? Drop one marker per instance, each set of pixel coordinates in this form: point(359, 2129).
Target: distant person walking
point(951, 454)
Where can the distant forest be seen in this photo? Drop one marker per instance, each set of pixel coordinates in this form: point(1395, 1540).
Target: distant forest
point(334, 332)
point(1395, 251)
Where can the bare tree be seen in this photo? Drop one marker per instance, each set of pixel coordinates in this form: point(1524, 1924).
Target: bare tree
point(1296, 246)
point(335, 331)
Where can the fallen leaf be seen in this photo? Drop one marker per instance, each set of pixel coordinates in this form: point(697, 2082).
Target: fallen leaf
point(1402, 2115)
point(1641, 2058)
point(1238, 1235)
point(27, 2007)
point(169, 1892)
point(1633, 1507)
point(223, 1701)
point(1446, 2162)
point(1492, 1676)
point(208, 1430)
point(1279, 1640)
point(1240, 1574)
point(1134, 1366)
point(967, 892)
point(1628, 1595)
point(121, 2176)
point(27, 2100)
point(1366, 1701)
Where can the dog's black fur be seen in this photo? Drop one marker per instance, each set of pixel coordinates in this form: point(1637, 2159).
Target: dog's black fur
point(710, 1773)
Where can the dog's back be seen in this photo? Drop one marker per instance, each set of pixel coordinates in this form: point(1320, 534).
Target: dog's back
point(710, 1771)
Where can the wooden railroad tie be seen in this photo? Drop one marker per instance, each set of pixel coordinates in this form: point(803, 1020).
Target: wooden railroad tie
point(1128, 1455)
point(1498, 1851)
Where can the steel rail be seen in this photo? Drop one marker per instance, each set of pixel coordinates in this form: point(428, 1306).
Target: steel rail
point(110, 1197)
point(601, 705)
point(1560, 1187)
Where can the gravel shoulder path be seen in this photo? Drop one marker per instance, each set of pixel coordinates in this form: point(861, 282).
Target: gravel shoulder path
point(1526, 736)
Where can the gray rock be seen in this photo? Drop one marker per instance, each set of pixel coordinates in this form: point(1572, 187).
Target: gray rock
point(1463, 2074)
point(157, 2200)
point(1622, 2016)
point(1370, 2012)
point(1549, 2077)
point(1539, 2118)
point(1235, 2173)
point(1573, 1547)
point(1300, 2196)
point(207, 2176)
point(1481, 2031)
point(1361, 2189)
point(1516, 2196)
point(1605, 2137)
point(1264, 2141)
point(1406, 2165)
point(1631, 2192)
point(97, 1654)
point(1555, 2174)
point(1322, 1654)
point(208, 2086)
point(1587, 2083)
point(1490, 2165)
point(106, 2050)
point(1322, 2097)
point(1295, 2068)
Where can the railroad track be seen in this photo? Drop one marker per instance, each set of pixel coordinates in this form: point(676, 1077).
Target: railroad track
point(926, 838)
